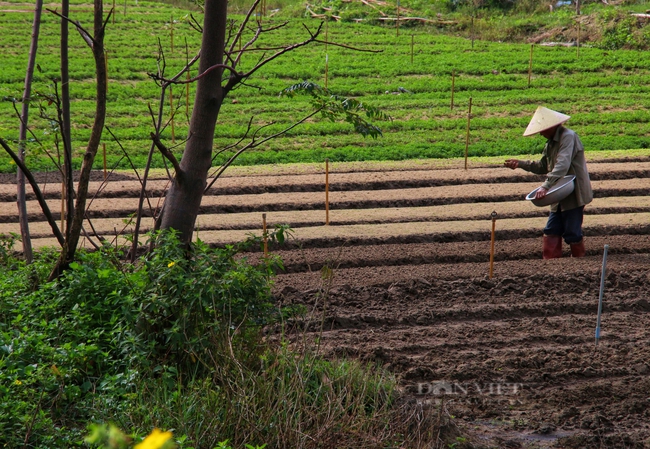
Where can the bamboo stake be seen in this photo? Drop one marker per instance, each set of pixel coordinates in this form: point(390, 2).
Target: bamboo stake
point(603, 275)
point(327, 192)
point(105, 171)
point(469, 116)
point(326, 69)
point(171, 32)
point(412, 43)
point(530, 64)
point(266, 236)
point(494, 220)
point(453, 82)
point(171, 107)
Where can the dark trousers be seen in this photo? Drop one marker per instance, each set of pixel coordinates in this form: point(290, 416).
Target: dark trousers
point(568, 224)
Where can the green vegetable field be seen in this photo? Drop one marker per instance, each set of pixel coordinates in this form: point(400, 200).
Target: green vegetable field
point(605, 92)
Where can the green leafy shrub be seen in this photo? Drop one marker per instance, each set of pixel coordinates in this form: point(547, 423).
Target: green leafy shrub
point(7, 242)
point(620, 30)
point(84, 340)
point(57, 347)
point(191, 301)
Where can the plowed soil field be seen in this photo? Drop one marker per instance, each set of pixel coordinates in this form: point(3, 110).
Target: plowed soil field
point(401, 278)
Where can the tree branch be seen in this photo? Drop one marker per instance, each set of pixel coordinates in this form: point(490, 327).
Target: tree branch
point(168, 154)
point(254, 144)
point(234, 80)
point(334, 44)
point(233, 145)
point(38, 141)
point(87, 236)
point(239, 33)
point(196, 78)
point(37, 191)
point(82, 31)
point(70, 247)
point(195, 24)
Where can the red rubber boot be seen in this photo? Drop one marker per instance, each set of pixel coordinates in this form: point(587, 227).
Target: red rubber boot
point(578, 249)
point(552, 248)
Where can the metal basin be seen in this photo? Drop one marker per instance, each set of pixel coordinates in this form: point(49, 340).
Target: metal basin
point(557, 193)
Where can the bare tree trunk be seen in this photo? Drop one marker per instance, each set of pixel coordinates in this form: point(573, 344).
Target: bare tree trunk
point(66, 135)
point(24, 118)
point(184, 197)
point(75, 226)
point(577, 7)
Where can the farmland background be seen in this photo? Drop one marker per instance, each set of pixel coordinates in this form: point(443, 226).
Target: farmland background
point(605, 91)
point(398, 279)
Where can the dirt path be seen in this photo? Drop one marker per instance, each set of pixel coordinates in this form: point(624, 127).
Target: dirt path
point(512, 358)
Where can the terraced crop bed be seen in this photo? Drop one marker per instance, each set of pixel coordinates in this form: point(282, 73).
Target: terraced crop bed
point(512, 358)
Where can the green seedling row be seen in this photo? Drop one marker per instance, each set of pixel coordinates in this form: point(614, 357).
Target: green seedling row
point(605, 92)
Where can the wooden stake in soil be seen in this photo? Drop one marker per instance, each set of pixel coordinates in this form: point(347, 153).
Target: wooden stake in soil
point(453, 82)
point(327, 192)
point(326, 67)
point(530, 64)
point(494, 221)
point(171, 108)
point(265, 236)
point(104, 151)
point(603, 275)
point(412, 43)
point(469, 117)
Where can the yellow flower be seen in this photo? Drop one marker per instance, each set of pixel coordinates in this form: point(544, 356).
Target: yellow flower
point(155, 440)
point(12, 163)
point(171, 264)
point(17, 382)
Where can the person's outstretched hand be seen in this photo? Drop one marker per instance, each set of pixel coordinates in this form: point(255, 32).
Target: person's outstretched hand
point(511, 163)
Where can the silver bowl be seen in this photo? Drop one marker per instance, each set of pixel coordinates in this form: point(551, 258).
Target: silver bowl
point(557, 193)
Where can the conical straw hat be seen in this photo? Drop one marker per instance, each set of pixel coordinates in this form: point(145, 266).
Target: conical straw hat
point(543, 119)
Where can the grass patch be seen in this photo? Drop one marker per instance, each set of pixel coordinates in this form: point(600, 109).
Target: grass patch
point(604, 90)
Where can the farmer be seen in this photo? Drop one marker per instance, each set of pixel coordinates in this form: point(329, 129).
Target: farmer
point(562, 155)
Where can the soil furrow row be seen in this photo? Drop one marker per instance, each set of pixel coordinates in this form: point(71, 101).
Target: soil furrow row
point(406, 198)
point(126, 185)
